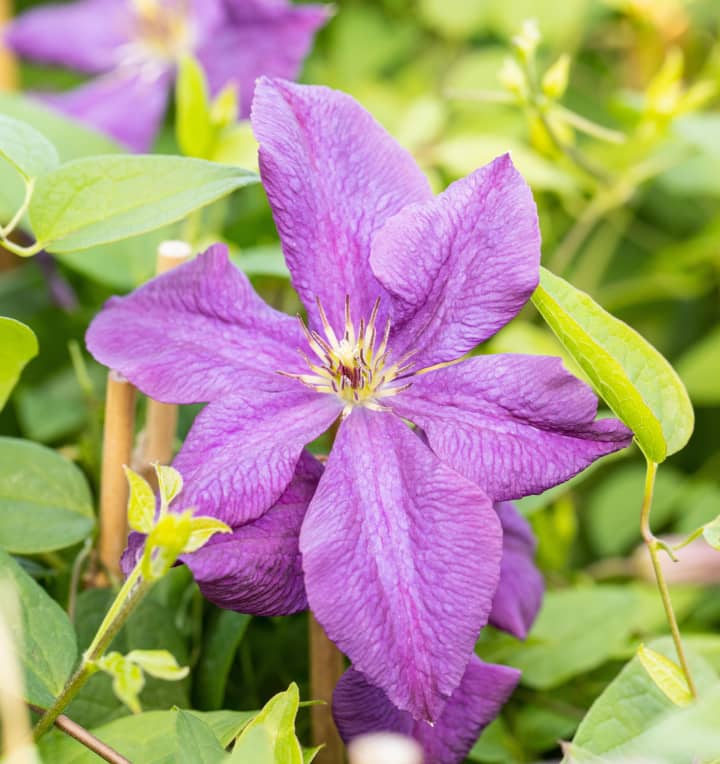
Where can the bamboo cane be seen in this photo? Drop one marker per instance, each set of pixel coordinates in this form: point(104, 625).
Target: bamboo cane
point(326, 668)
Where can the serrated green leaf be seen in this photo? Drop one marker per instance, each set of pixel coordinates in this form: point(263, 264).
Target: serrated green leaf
point(45, 637)
point(45, 502)
point(141, 502)
point(193, 124)
point(18, 345)
point(158, 663)
point(147, 738)
point(666, 674)
point(170, 482)
point(202, 529)
point(106, 198)
point(638, 384)
point(27, 150)
point(195, 742)
point(273, 731)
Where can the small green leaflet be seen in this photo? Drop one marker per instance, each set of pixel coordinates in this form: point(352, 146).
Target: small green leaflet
point(18, 345)
point(638, 384)
point(666, 674)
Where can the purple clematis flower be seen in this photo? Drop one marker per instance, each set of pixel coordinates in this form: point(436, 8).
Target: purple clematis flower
point(134, 45)
point(401, 544)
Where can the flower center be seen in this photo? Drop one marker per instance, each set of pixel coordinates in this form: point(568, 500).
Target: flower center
point(162, 32)
point(355, 366)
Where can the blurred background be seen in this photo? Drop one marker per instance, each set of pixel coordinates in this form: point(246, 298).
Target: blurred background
point(618, 133)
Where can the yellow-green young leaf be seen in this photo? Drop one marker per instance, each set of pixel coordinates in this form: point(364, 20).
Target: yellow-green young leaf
point(27, 150)
point(273, 727)
point(141, 504)
point(711, 533)
point(201, 530)
point(158, 663)
point(638, 384)
point(666, 674)
point(18, 345)
point(224, 110)
point(193, 124)
point(170, 483)
point(128, 679)
point(164, 544)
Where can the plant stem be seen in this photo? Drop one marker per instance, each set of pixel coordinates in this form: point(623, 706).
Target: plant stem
point(654, 546)
point(77, 731)
point(17, 217)
point(132, 591)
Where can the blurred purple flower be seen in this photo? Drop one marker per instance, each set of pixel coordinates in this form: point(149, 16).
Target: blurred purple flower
point(134, 47)
point(401, 544)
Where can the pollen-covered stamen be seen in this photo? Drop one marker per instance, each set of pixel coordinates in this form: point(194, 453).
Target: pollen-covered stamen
point(350, 365)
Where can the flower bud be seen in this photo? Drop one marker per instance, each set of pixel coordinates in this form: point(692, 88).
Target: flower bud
point(512, 78)
point(529, 38)
point(555, 79)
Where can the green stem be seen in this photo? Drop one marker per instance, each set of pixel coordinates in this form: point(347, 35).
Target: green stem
point(132, 591)
point(16, 249)
point(10, 227)
point(654, 546)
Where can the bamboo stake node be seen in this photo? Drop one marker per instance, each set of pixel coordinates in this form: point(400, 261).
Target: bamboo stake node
point(172, 253)
point(385, 748)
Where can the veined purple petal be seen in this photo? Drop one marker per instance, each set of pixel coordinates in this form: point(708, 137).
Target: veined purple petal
point(401, 558)
point(333, 177)
point(462, 265)
point(513, 424)
point(196, 333)
point(241, 452)
point(261, 38)
point(83, 35)
point(360, 708)
point(257, 569)
point(124, 104)
point(520, 591)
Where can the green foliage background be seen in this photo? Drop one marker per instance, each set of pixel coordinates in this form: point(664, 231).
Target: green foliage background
point(646, 246)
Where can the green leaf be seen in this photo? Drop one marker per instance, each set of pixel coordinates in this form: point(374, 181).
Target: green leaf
point(18, 345)
point(272, 732)
point(666, 674)
point(103, 199)
point(147, 738)
point(170, 482)
point(202, 529)
point(195, 742)
point(45, 501)
point(576, 631)
point(141, 504)
point(309, 754)
point(638, 384)
point(222, 637)
point(46, 640)
point(27, 150)
point(711, 533)
point(158, 663)
point(128, 679)
point(699, 368)
point(633, 705)
point(193, 125)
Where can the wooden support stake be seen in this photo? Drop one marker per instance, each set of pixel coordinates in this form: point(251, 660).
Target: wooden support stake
point(8, 64)
point(326, 668)
point(161, 418)
point(117, 451)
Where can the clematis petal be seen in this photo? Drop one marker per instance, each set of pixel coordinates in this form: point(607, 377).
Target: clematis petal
point(462, 265)
point(333, 177)
point(196, 333)
point(124, 105)
point(241, 452)
point(257, 569)
point(520, 591)
point(513, 424)
point(83, 35)
point(261, 38)
point(360, 708)
point(401, 558)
